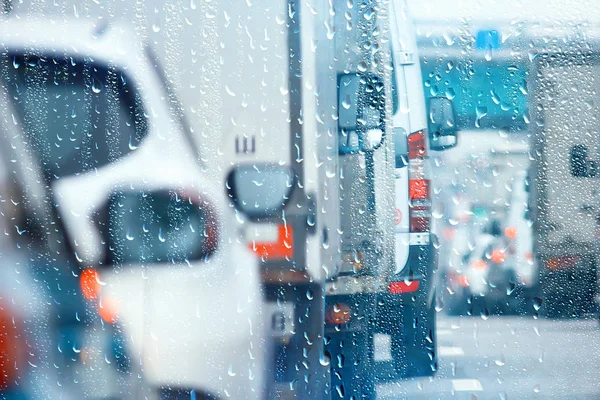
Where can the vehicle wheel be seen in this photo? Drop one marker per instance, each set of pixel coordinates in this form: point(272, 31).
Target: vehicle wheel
point(352, 372)
point(416, 356)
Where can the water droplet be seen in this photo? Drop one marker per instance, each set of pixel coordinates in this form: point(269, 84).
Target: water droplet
point(500, 361)
point(362, 66)
point(439, 304)
point(325, 359)
point(230, 371)
point(485, 314)
point(489, 53)
point(537, 303)
point(347, 102)
point(96, 86)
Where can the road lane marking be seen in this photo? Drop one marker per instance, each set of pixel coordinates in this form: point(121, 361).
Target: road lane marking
point(451, 351)
point(466, 385)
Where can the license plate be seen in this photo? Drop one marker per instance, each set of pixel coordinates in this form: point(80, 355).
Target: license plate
point(280, 321)
point(383, 347)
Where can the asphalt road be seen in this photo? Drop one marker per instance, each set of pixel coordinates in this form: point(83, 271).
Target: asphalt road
point(509, 358)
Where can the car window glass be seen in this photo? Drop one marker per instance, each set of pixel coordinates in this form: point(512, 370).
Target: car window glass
point(77, 115)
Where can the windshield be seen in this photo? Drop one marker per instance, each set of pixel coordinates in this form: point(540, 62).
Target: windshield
point(487, 94)
point(78, 115)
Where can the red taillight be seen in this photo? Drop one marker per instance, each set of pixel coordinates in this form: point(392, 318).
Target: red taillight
point(12, 349)
point(558, 263)
point(419, 184)
point(419, 189)
point(89, 283)
point(403, 287)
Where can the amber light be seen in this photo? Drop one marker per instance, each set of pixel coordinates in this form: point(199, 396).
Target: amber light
point(511, 232)
point(280, 249)
point(463, 280)
point(89, 282)
point(337, 314)
point(479, 264)
point(108, 309)
point(498, 256)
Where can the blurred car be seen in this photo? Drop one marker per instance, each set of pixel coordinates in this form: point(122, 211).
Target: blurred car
point(123, 206)
point(484, 281)
point(29, 356)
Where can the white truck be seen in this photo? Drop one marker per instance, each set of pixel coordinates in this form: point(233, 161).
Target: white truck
point(564, 192)
point(121, 207)
point(405, 324)
point(374, 154)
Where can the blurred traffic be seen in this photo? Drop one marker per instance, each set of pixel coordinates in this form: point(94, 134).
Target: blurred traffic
point(392, 199)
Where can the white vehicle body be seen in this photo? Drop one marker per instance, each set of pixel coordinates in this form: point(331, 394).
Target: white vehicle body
point(193, 325)
point(410, 117)
point(564, 194)
point(525, 266)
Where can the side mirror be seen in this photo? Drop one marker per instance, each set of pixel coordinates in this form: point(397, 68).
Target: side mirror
point(361, 106)
point(442, 124)
point(259, 191)
point(157, 227)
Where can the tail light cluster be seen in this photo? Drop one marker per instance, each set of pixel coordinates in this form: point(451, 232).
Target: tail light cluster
point(419, 183)
point(561, 263)
point(12, 348)
point(91, 288)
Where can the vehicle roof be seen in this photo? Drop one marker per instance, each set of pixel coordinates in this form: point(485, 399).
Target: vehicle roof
point(88, 38)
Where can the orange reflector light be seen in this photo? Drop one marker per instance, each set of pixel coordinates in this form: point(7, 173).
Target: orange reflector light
point(280, 249)
point(463, 280)
point(337, 314)
point(89, 282)
point(511, 232)
point(108, 309)
point(479, 264)
point(498, 256)
point(403, 287)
